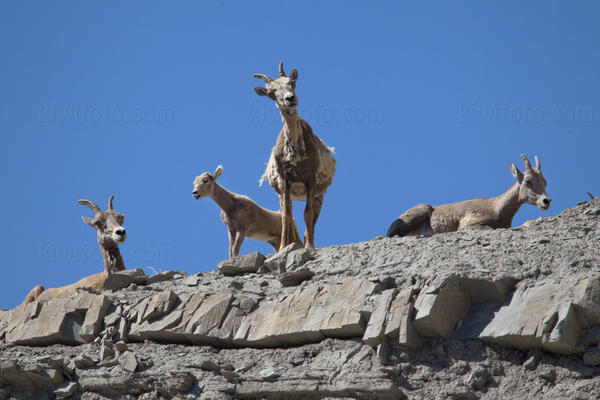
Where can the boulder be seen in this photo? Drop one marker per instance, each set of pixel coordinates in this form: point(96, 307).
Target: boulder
point(72, 320)
point(129, 361)
point(308, 315)
point(530, 320)
point(241, 264)
point(296, 276)
point(159, 305)
point(122, 279)
point(276, 264)
point(440, 305)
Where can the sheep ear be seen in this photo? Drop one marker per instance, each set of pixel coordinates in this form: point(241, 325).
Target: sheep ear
point(218, 172)
point(294, 74)
point(516, 173)
point(261, 91)
point(89, 221)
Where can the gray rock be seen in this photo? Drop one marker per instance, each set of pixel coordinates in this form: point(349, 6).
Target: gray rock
point(122, 279)
point(164, 276)
point(269, 374)
point(106, 350)
point(591, 357)
point(531, 320)
point(589, 337)
point(375, 331)
point(159, 305)
point(548, 374)
point(129, 361)
point(478, 378)
point(121, 346)
point(440, 305)
point(296, 276)
point(84, 361)
point(191, 280)
point(296, 259)
point(276, 263)
point(242, 264)
point(66, 390)
point(531, 363)
point(72, 320)
point(427, 309)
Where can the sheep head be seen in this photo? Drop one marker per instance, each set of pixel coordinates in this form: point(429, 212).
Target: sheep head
point(108, 224)
point(204, 184)
point(280, 89)
point(532, 184)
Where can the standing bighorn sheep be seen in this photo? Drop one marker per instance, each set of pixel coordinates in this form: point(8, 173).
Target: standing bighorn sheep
point(242, 216)
point(301, 166)
point(110, 232)
point(497, 212)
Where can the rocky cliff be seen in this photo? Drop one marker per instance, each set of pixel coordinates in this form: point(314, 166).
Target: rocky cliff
point(487, 314)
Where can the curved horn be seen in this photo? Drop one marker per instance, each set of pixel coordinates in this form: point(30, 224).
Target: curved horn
point(281, 71)
point(91, 205)
point(110, 207)
point(538, 166)
point(263, 77)
point(526, 161)
point(591, 196)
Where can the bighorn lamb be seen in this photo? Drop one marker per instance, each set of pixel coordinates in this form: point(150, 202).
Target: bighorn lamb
point(110, 232)
point(497, 212)
point(301, 166)
point(242, 216)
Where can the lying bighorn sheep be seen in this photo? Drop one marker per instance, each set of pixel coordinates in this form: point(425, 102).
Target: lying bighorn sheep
point(497, 212)
point(301, 166)
point(242, 216)
point(109, 225)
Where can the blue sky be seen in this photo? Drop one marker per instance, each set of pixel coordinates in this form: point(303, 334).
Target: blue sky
point(424, 102)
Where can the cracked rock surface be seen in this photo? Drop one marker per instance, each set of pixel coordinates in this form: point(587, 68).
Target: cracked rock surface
point(475, 314)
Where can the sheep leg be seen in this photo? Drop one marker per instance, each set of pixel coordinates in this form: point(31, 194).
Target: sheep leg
point(231, 234)
point(275, 243)
point(239, 239)
point(286, 217)
point(309, 234)
point(412, 221)
point(317, 205)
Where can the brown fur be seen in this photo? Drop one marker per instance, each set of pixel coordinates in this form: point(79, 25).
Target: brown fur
point(242, 216)
point(301, 166)
point(110, 233)
point(497, 212)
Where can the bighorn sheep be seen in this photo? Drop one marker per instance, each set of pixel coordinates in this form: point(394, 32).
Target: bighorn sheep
point(242, 216)
point(110, 232)
point(301, 166)
point(497, 212)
